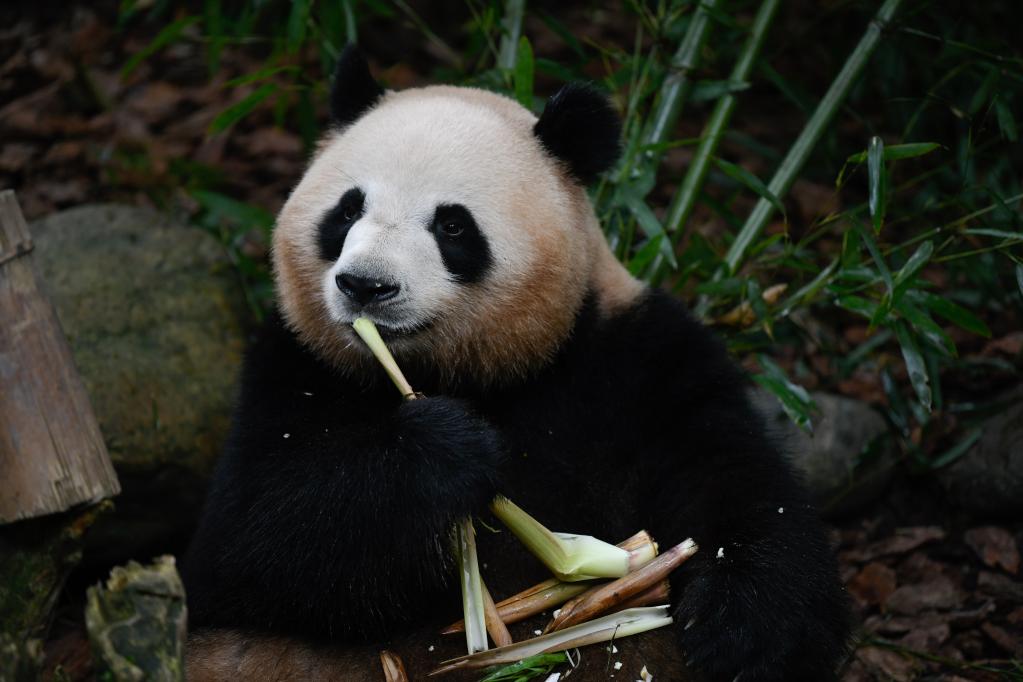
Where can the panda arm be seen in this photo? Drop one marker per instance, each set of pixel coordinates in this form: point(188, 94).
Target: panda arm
point(762, 596)
point(331, 508)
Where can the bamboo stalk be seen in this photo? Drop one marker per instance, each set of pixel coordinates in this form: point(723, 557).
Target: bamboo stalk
point(682, 204)
point(495, 624)
point(511, 29)
point(367, 331)
point(518, 608)
point(600, 599)
point(800, 151)
point(658, 593)
point(473, 601)
point(675, 87)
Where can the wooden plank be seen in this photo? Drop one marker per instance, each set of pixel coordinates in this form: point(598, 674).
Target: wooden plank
point(52, 454)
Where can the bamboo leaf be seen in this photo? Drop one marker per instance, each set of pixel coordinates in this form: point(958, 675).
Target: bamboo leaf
point(168, 35)
point(234, 113)
point(646, 254)
point(915, 263)
point(915, 365)
point(926, 326)
point(527, 668)
point(896, 152)
point(997, 234)
point(524, 70)
point(858, 305)
point(704, 91)
point(794, 399)
point(646, 219)
point(1019, 277)
point(877, 182)
point(956, 451)
point(1006, 123)
point(875, 253)
point(957, 314)
point(750, 181)
point(297, 21)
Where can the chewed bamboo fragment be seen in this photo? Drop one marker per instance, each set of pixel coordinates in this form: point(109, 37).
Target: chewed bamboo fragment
point(514, 609)
point(394, 669)
point(605, 597)
point(553, 592)
point(616, 626)
point(658, 593)
point(495, 624)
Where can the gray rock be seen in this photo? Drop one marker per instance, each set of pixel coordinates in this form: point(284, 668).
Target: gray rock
point(849, 458)
point(988, 479)
point(156, 320)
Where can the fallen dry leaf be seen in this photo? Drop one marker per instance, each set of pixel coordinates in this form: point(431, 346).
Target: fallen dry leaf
point(938, 593)
point(872, 585)
point(926, 638)
point(1000, 586)
point(904, 540)
point(995, 546)
point(1011, 344)
point(892, 665)
point(1012, 644)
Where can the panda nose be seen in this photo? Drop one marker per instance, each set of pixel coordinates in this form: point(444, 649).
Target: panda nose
point(363, 290)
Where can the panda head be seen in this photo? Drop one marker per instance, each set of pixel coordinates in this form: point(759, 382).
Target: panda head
point(455, 220)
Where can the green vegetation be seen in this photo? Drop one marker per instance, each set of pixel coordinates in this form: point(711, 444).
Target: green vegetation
point(836, 187)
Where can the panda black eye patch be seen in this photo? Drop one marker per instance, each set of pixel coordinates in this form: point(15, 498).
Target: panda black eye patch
point(463, 247)
point(337, 221)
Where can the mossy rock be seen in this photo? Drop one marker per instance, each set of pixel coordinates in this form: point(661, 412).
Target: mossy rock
point(156, 319)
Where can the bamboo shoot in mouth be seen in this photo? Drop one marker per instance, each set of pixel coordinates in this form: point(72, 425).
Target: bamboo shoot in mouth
point(473, 600)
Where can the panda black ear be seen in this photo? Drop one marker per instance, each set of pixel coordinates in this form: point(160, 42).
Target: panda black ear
point(579, 127)
point(354, 90)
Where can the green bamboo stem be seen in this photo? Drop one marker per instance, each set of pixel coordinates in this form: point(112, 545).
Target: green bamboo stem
point(511, 30)
point(684, 201)
point(675, 88)
point(800, 151)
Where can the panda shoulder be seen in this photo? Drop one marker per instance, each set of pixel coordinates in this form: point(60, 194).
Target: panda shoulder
point(661, 336)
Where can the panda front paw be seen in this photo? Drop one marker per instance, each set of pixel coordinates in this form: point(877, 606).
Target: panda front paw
point(754, 622)
point(454, 457)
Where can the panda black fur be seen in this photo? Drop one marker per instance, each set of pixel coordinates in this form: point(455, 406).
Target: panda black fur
point(459, 223)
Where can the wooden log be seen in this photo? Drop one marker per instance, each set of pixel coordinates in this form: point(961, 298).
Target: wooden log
point(52, 454)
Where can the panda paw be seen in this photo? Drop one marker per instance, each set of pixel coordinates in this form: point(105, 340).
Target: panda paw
point(746, 624)
point(455, 456)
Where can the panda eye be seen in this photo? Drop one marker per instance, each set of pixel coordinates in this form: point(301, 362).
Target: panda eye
point(452, 229)
point(350, 207)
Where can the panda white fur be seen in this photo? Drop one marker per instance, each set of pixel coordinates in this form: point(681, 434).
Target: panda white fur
point(459, 223)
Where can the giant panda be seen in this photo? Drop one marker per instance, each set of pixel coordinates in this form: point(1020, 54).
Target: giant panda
point(459, 223)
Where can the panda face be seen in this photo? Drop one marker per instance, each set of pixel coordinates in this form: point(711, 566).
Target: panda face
point(441, 217)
